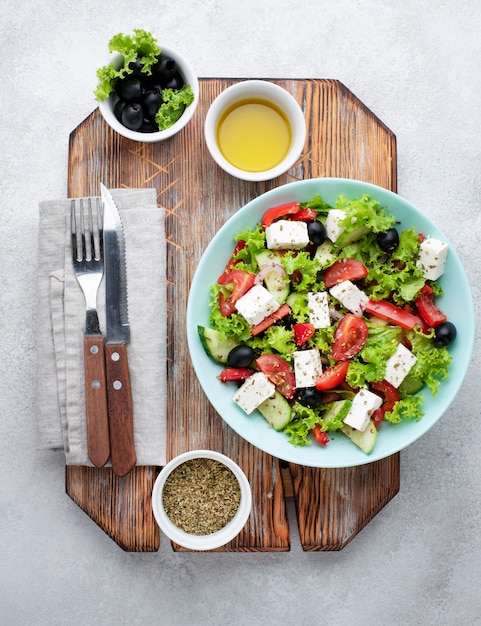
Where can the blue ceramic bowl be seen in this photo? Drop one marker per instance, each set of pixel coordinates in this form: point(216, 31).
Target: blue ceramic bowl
point(340, 452)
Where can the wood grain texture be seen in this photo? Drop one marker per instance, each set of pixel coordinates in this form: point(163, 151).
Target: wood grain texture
point(121, 410)
point(345, 139)
point(98, 440)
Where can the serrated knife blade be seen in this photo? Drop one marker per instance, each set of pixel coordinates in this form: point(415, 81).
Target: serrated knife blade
point(119, 393)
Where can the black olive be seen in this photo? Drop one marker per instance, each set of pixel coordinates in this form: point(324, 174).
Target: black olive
point(132, 116)
point(129, 89)
point(118, 108)
point(241, 356)
point(149, 125)
point(136, 67)
point(444, 334)
point(317, 232)
point(166, 68)
point(388, 241)
point(176, 82)
point(151, 102)
point(309, 396)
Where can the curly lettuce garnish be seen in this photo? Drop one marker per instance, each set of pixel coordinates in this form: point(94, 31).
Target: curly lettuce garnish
point(141, 44)
point(175, 101)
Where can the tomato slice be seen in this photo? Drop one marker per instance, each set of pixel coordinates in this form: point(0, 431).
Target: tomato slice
point(320, 435)
point(303, 332)
point(428, 309)
point(242, 280)
point(241, 244)
point(332, 376)
point(349, 337)
point(344, 269)
point(225, 305)
point(233, 374)
point(390, 395)
point(279, 372)
point(281, 312)
point(392, 313)
point(279, 211)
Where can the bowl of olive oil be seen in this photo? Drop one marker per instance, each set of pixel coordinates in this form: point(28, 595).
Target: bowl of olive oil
point(255, 130)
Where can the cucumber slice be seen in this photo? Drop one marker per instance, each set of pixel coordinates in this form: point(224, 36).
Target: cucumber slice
point(338, 410)
point(276, 410)
point(365, 439)
point(410, 386)
point(277, 285)
point(324, 253)
point(215, 343)
point(353, 235)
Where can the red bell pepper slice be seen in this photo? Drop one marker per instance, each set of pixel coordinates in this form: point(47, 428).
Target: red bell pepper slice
point(234, 374)
point(428, 309)
point(390, 396)
point(392, 313)
point(281, 312)
point(279, 211)
point(320, 435)
point(304, 215)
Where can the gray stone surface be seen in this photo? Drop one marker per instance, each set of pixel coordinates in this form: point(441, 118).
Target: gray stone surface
point(416, 65)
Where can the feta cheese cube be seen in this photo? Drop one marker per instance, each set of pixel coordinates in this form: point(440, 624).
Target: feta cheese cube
point(363, 406)
point(287, 234)
point(253, 392)
point(318, 304)
point(350, 296)
point(307, 367)
point(256, 304)
point(399, 365)
point(333, 229)
point(432, 257)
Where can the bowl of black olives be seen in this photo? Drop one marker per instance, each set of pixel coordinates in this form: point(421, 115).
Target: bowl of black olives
point(146, 93)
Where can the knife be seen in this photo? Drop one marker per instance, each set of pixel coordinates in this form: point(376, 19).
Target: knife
point(119, 394)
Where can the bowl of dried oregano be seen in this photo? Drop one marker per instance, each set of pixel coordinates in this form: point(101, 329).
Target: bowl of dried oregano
point(201, 500)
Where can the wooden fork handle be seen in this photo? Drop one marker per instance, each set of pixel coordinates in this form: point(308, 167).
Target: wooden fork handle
point(98, 438)
point(122, 444)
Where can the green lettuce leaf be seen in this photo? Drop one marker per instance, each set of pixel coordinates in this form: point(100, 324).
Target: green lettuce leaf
point(307, 268)
point(370, 363)
point(408, 408)
point(174, 103)
point(432, 362)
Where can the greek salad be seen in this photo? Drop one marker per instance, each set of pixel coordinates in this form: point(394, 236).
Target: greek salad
point(326, 319)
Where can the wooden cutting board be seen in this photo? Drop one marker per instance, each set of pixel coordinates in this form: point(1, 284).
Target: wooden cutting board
point(345, 139)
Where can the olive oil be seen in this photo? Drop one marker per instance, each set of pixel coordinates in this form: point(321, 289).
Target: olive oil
point(254, 135)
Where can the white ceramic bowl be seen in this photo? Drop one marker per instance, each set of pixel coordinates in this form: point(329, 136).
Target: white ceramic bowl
point(213, 540)
point(107, 106)
point(262, 90)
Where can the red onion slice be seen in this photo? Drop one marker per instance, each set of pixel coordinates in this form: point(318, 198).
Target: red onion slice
point(267, 269)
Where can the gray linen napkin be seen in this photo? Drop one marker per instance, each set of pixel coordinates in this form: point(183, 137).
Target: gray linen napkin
point(61, 321)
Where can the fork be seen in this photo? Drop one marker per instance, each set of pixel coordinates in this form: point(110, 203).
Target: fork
point(88, 265)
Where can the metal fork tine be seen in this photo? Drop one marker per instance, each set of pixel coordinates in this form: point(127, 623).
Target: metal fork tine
point(73, 230)
point(100, 228)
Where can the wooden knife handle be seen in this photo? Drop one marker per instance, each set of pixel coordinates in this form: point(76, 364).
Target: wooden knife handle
point(122, 445)
point(98, 440)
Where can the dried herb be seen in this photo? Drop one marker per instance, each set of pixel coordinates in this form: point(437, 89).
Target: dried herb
point(201, 496)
